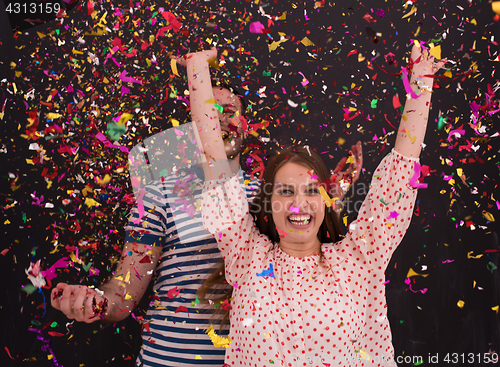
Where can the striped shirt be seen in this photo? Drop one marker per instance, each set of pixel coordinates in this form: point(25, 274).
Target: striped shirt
point(176, 335)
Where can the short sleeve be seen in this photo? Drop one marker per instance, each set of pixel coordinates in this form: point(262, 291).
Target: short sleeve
point(146, 222)
point(385, 214)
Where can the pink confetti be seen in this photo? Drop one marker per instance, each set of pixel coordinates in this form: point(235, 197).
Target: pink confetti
point(140, 205)
point(295, 209)
point(458, 132)
point(305, 81)
point(393, 215)
point(128, 79)
point(108, 144)
point(408, 281)
point(407, 85)
point(256, 27)
point(413, 180)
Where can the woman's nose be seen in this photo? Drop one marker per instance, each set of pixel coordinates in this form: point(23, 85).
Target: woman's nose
point(300, 201)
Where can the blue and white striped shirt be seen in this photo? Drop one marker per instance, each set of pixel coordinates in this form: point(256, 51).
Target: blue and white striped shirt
point(172, 219)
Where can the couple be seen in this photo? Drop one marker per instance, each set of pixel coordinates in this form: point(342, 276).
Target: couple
point(296, 293)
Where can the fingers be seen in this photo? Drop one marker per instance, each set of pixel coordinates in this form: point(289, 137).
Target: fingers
point(340, 165)
point(75, 301)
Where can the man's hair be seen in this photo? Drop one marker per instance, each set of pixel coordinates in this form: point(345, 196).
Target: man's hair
point(230, 87)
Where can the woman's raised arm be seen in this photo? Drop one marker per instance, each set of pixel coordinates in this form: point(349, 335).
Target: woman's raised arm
point(416, 110)
point(204, 112)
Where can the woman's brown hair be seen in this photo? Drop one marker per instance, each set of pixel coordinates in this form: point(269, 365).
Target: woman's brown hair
point(261, 210)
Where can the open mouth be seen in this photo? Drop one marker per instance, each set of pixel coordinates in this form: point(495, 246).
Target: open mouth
point(299, 219)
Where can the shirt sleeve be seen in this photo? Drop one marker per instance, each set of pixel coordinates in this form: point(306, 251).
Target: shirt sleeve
point(226, 215)
point(146, 222)
point(384, 216)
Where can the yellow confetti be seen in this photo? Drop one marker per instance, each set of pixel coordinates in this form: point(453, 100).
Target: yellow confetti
point(282, 16)
point(173, 65)
point(212, 101)
point(488, 216)
point(470, 256)
point(461, 304)
point(495, 6)
point(174, 122)
point(436, 52)
point(496, 307)
point(198, 357)
point(412, 138)
point(307, 42)
point(326, 197)
point(364, 355)
point(124, 118)
point(412, 273)
point(91, 202)
point(413, 10)
point(273, 46)
point(214, 62)
point(104, 181)
point(217, 340)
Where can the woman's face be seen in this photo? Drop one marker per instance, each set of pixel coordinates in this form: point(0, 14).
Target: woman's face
point(298, 208)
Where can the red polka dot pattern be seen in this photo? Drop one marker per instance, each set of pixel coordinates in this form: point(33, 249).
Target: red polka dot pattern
point(313, 312)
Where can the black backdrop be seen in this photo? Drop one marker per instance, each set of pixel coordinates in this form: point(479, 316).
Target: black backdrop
point(326, 73)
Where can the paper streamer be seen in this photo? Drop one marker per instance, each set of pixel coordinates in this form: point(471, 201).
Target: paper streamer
point(407, 85)
point(416, 175)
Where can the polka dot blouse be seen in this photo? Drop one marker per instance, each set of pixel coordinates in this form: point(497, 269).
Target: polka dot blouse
point(312, 311)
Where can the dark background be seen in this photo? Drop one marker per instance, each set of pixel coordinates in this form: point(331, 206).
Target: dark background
point(353, 60)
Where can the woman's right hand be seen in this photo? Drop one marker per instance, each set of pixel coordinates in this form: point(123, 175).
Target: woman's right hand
point(77, 302)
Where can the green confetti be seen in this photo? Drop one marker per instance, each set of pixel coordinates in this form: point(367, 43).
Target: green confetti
point(220, 108)
point(54, 324)
point(491, 266)
point(441, 122)
point(87, 266)
point(374, 103)
point(29, 288)
point(115, 131)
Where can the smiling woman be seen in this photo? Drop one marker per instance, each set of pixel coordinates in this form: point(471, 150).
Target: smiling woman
point(297, 289)
point(290, 192)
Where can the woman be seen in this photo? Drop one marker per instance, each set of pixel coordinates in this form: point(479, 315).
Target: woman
point(300, 298)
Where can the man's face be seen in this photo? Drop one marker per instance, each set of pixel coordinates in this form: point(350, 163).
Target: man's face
point(230, 123)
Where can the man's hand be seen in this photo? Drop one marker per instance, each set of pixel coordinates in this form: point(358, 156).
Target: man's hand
point(342, 180)
point(78, 302)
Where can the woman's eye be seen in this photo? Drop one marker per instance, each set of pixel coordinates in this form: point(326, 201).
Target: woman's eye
point(313, 191)
point(286, 192)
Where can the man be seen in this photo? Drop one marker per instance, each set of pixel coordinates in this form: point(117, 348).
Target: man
point(167, 237)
